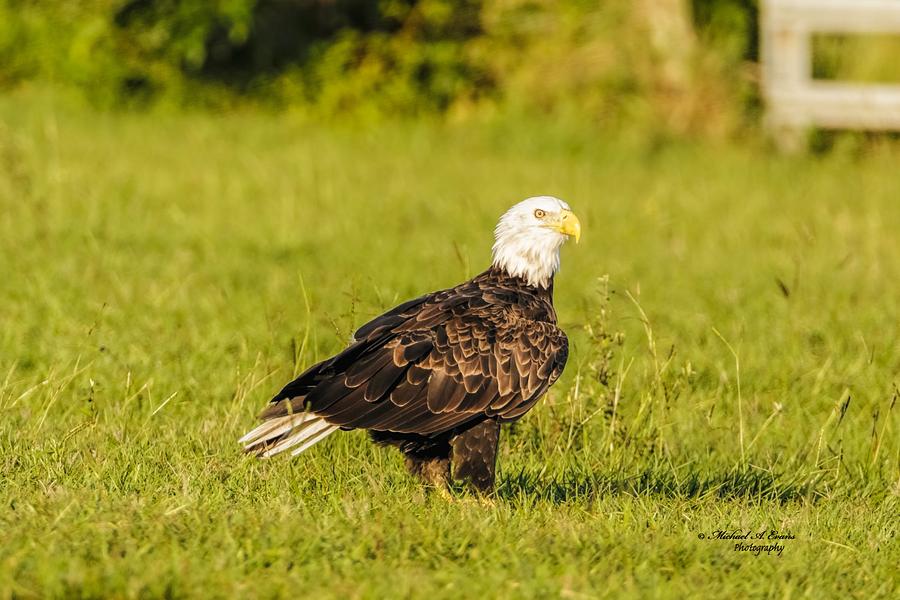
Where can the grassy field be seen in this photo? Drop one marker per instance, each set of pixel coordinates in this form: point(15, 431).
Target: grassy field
point(734, 319)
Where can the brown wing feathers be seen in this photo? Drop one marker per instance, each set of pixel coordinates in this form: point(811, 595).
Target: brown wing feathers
point(435, 363)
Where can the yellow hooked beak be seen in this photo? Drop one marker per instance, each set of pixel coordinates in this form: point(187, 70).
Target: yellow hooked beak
point(568, 224)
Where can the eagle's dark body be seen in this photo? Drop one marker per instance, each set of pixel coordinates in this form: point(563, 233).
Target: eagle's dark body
point(436, 376)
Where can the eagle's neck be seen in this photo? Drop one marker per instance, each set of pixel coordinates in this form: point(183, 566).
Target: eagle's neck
point(527, 255)
point(520, 297)
point(503, 278)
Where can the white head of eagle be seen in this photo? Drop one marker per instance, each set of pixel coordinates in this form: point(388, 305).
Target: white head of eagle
point(528, 237)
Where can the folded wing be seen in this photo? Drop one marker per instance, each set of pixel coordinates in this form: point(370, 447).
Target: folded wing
point(426, 367)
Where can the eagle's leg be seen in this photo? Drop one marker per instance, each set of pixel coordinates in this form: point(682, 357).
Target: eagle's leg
point(432, 470)
point(426, 458)
point(473, 455)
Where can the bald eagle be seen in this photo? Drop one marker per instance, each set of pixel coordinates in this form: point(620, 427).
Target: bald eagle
point(437, 375)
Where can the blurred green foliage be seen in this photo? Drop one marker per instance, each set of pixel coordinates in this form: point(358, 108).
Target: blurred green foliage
point(402, 54)
point(729, 26)
point(863, 58)
point(687, 66)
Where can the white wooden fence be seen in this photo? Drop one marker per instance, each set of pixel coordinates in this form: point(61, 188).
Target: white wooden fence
point(794, 99)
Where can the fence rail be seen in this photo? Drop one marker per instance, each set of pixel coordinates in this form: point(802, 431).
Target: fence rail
point(794, 99)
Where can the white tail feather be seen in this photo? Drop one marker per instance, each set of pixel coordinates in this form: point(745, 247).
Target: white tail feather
point(265, 430)
point(306, 429)
point(315, 439)
point(298, 437)
point(275, 427)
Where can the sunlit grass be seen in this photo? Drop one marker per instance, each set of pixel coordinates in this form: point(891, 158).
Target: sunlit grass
point(734, 363)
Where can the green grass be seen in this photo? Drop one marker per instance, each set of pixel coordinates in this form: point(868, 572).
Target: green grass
point(162, 276)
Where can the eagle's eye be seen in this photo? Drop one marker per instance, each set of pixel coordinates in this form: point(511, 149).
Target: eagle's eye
point(540, 214)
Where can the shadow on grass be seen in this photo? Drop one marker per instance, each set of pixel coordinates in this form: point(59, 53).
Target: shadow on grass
point(734, 484)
